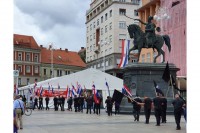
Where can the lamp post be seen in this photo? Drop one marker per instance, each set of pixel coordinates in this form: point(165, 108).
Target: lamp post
point(51, 48)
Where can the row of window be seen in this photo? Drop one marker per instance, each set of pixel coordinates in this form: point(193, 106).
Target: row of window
point(148, 59)
point(58, 72)
point(27, 81)
point(28, 69)
point(28, 57)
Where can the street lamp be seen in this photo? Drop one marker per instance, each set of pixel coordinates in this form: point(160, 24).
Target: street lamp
point(51, 48)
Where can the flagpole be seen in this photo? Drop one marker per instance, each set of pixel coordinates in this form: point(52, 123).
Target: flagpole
point(172, 85)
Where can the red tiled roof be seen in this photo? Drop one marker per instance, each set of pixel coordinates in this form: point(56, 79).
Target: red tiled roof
point(62, 57)
point(25, 41)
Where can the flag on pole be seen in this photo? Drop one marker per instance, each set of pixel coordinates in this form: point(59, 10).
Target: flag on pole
point(127, 90)
point(67, 92)
point(73, 91)
point(49, 87)
point(96, 100)
point(41, 90)
point(108, 88)
point(157, 89)
point(52, 89)
point(166, 74)
point(124, 55)
point(117, 96)
point(79, 90)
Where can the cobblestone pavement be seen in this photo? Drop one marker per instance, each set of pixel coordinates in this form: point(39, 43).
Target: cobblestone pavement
point(65, 122)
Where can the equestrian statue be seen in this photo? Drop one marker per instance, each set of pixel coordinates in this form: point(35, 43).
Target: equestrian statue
point(148, 39)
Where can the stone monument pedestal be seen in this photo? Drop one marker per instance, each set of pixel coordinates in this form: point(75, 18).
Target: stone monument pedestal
point(139, 77)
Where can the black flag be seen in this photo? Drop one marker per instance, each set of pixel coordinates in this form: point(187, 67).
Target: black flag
point(117, 96)
point(166, 74)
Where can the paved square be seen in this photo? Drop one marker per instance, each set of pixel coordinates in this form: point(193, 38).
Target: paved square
point(70, 122)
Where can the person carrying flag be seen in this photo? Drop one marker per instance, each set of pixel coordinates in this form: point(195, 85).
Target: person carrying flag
point(109, 105)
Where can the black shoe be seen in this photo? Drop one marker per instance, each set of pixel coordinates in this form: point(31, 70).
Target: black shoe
point(178, 128)
point(157, 125)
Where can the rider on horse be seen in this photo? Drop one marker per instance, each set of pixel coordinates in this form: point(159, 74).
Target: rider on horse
point(149, 32)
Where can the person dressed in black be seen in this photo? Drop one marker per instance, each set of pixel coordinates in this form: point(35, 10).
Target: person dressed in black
point(147, 108)
point(157, 102)
point(55, 101)
point(109, 105)
point(178, 104)
point(164, 109)
point(89, 101)
point(116, 107)
point(47, 102)
point(136, 108)
point(76, 103)
point(81, 103)
point(62, 103)
point(35, 103)
point(69, 101)
point(40, 103)
point(98, 105)
point(24, 99)
point(59, 102)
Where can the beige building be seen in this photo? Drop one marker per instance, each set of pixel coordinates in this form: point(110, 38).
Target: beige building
point(61, 62)
point(106, 26)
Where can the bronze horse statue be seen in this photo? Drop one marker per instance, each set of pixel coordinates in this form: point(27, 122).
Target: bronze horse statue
point(138, 35)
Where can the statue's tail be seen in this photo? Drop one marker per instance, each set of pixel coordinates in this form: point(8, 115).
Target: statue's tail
point(167, 41)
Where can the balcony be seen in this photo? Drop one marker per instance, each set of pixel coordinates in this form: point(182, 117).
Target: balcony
point(97, 49)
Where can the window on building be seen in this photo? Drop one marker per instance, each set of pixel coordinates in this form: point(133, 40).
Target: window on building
point(122, 36)
point(28, 69)
point(44, 71)
point(110, 13)
point(87, 29)
point(122, 11)
point(90, 27)
point(122, 0)
point(91, 48)
point(94, 36)
point(106, 16)
point(36, 80)
point(20, 69)
point(20, 56)
point(101, 31)
point(137, 2)
point(97, 22)
point(27, 81)
point(94, 24)
point(148, 57)
point(135, 13)
point(87, 39)
point(28, 57)
point(106, 28)
point(36, 69)
point(122, 24)
point(110, 38)
point(110, 26)
point(58, 72)
point(90, 37)
point(35, 58)
point(143, 58)
point(19, 81)
point(102, 19)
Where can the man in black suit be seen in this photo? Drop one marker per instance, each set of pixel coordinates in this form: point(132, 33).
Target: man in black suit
point(157, 102)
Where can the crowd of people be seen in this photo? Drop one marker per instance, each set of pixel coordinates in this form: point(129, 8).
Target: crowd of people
point(78, 103)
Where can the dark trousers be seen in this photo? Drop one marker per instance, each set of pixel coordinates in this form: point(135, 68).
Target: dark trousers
point(59, 104)
point(35, 104)
point(81, 107)
point(62, 107)
point(136, 114)
point(157, 115)
point(89, 108)
point(147, 114)
point(47, 107)
point(56, 107)
point(177, 116)
point(98, 109)
point(94, 108)
point(116, 110)
point(164, 115)
point(70, 107)
point(40, 106)
point(109, 110)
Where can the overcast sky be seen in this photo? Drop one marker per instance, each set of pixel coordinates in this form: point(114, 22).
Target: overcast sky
point(61, 22)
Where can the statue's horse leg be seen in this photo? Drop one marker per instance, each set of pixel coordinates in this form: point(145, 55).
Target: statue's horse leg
point(133, 48)
point(163, 53)
point(159, 53)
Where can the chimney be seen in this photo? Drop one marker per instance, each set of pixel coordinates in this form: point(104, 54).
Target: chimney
point(60, 48)
point(41, 46)
point(82, 48)
point(66, 50)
